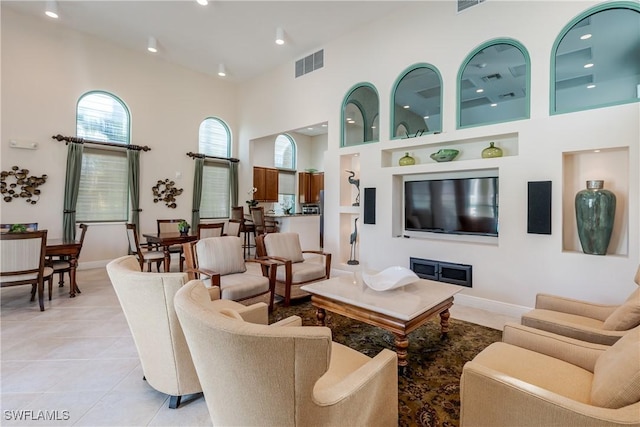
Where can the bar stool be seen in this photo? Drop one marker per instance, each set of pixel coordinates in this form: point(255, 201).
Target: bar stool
point(247, 228)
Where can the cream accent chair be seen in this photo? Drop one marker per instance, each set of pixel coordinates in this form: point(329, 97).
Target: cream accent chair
point(597, 323)
point(147, 302)
point(219, 263)
point(297, 270)
point(259, 375)
point(537, 378)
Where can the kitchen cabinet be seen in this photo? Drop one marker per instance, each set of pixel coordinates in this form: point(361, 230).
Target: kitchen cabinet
point(265, 180)
point(309, 186)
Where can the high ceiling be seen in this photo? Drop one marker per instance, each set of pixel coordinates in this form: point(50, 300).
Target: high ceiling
point(239, 34)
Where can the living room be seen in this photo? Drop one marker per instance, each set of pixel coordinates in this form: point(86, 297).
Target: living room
point(46, 67)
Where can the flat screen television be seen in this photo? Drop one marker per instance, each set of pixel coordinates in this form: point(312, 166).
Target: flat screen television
point(454, 206)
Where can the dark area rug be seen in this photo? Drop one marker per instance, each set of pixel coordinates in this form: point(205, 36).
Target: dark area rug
point(429, 394)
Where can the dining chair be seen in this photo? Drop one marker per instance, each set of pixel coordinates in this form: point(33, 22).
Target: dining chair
point(247, 228)
point(148, 256)
point(22, 261)
point(233, 227)
point(210, 230)
point(261, 223)
point(62, 265)
point(171, 226)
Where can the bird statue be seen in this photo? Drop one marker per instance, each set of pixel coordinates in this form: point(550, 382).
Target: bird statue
point(355, 182)
point(352, 241)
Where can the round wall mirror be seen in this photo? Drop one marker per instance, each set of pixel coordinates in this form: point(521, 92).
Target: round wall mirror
point(417, 102)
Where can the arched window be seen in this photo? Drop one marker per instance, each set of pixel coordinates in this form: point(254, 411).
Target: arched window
point(284, 158)
point(214, 139)
point(103, 193)
point(493, 84)
point(360, 121)
point(284, 152)
point(595, 61)
point(417, 102)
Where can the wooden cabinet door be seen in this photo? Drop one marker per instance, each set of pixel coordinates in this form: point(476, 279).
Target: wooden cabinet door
point(316, 184)
point(303, 187)
point(265, 180)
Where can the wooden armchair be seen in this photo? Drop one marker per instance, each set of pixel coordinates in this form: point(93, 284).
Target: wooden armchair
point(210, 230)
point(294, 269)
point(219, 263)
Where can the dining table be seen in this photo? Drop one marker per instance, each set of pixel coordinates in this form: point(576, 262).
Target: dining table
point(69, 250)
point(166, 240)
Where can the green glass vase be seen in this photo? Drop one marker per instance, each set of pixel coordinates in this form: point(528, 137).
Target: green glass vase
point(491, 151)
point(595, 212)
point(407, 160)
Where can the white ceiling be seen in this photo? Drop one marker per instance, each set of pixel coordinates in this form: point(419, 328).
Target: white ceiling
point(240, 34)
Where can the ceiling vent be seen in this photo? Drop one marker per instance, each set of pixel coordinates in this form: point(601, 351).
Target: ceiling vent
point(310, 63)
point(466, 4)
point(492, 77)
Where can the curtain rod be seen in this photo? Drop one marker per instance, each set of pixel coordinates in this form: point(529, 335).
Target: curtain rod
point(69, 139)
point(204, 156)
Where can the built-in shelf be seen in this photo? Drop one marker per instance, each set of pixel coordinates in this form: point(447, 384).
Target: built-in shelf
point(610, 165)
point(470, 150)
point(348, 212)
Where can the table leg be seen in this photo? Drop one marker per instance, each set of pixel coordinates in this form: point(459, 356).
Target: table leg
point(320, 316)
point(167, 259)
point(444, 323)
point(402, 343)
point(73, 286)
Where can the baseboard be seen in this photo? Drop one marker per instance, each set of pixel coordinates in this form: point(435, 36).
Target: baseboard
point(497, 307)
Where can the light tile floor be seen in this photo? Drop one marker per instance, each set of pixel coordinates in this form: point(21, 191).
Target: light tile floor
point(78, 358)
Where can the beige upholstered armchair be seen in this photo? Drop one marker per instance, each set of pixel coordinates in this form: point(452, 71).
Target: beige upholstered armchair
point(537, 378)
point(296, 269)
point(219, 263)
point(597, 323)
point(147, 302)
point(278, 375)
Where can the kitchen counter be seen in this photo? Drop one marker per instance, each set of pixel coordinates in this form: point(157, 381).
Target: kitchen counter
point(307, 227)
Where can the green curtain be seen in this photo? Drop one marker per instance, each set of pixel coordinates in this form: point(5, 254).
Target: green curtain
point(197, 193)
point(233, 182)
point(133, 160)
point(71, 187)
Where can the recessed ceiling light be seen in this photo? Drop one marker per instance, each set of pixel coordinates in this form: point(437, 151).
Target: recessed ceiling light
point(591, 86)
point(324, 125)
point(479, 90)
point(406, 107)
point(588, 65)
point(596, 151)
point(494, 105)
point(51, 9)
point(203, 2)
point(585, 36)
point(309, 128)
point(426, 117)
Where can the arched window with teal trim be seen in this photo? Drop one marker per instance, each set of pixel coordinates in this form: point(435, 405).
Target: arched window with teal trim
point(595, 60)
point(360, 116)
point(284, 152)
point(493, 84)
point(416, 102)
point(214, 138)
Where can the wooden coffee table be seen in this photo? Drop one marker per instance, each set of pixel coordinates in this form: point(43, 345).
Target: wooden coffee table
point(398, 311)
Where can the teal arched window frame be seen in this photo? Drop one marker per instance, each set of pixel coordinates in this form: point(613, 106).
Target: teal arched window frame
point(366, 124)
point(403, 74)
point(227, 130)
point(468, 59)
point(633, 6)
point(289, 139)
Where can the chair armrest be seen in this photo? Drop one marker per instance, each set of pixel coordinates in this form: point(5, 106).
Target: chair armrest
point(379, 375)
point(289, 321)
point(491, 398)
point(255, 313)
point(215, 277)
point(576, 352)
point(263, 260)
point(573, 306)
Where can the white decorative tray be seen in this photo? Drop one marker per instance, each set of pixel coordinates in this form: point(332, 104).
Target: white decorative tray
point(390, 278)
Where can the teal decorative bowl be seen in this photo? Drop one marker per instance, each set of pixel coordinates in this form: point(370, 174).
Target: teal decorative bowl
point(444, 155)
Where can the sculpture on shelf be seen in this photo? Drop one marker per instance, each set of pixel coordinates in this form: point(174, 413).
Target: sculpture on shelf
point(352, 241)
point(355, 182)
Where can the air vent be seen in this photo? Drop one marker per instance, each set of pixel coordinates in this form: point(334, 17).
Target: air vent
point(309, 63)
point(466, 4)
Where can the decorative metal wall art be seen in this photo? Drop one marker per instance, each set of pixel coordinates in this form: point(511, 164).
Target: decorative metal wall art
point(24, 186)
point(166, 192)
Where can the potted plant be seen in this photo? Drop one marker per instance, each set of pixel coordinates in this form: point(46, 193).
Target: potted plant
point(17, 228)
point(183, 227)
point(253, 202)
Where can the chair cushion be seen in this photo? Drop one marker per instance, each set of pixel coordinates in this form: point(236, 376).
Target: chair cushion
point(221, 254)
point(285, 245)
point(302, 272)
point(626, 316)
point(239, 286)
point(616, 376)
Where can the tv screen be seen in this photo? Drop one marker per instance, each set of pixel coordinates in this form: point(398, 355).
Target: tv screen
point(457, 206)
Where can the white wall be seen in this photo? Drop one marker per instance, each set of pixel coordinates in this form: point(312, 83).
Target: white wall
point(508, 273)
point(46, 68)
